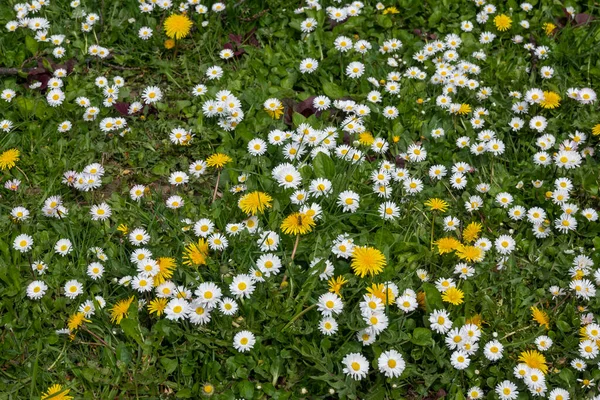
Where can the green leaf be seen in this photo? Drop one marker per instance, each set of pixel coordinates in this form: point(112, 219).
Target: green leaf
point(324, 166)
point(433, 298)
point(131, 329)
point(246, 389)
point(384, 21)
point(31, 44)
point(169, 364)
point(421, 337)
point(332, 90)
point(563, 326)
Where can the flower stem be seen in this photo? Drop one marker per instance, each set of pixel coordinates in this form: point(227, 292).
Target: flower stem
point(295, 317)
point(295, 246)
point(216, 186)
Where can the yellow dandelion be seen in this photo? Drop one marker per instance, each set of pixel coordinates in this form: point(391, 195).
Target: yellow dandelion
point(336, 284)
point(540, 316)
point(169, 44)
point(157, 306)
point(195, 254)
point(208, 389)
point(366, 138)
point(391, 10)
point(297, 224)
point(549, 27)
point(166, 267)
point(470, 253)
point(596, 130)
point(120, 310)
point(464, 109)
point(76, 320)
point(9, 159)
point(383, 293)
point(56, 392)
point(550, 100)
point(471, 232)
point(447, 245)
point(255, 202)
point(178, 26)
point(367, 260)
point(475, 320)
point(436, 204)
point(218, 160)
point(123, 229)
point(503, 22)
point(396, 139)
point(453, 296)
point(534, 359)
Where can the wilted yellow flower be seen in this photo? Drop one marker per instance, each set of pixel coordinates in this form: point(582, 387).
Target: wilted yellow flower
point(120, 310)
point(169, 44)
point(123, 229)
point(540, 316)
point(336, 283)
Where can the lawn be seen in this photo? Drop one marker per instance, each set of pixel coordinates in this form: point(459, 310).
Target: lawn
point(265, 199)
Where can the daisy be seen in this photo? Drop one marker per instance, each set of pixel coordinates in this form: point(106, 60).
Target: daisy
point(152, 94)
point(228, 306)
point(242, 286)
point(355, 365)
point(440, 321)
point(389, 210)
point(507, 390)
point(204, 227)
point(349, 201)
point(329, 303)
point(177, 309)
point(460, 360)
point(175, 202)
point(36, 290)
point(100, 212)
point(95, 270)
point(214, 72)
point(308, 65)
point(391, 363)
point(328, 326)
point(39, 266)
point(244, 341)
point(138, 237)
point(73, 288)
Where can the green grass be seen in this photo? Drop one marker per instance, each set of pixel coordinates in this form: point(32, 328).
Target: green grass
point(149, 357)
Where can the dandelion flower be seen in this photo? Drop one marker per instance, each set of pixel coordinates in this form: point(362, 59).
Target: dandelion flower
point(447, 245)
point(453, 296)
point(218, 160)
point(436, 204)
point(120, 310)
point(195, 253)
point(177, 26)
point(550, 100)
point(502, 22)
point(534, 359)
point(471, 232)
point(336, 284)
point(76, 320)
point(56, 392)
point(9, 159)
point(158, 306)
point(255, 202)
point(367, 260)
point(540, 316)
point(297, 224)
